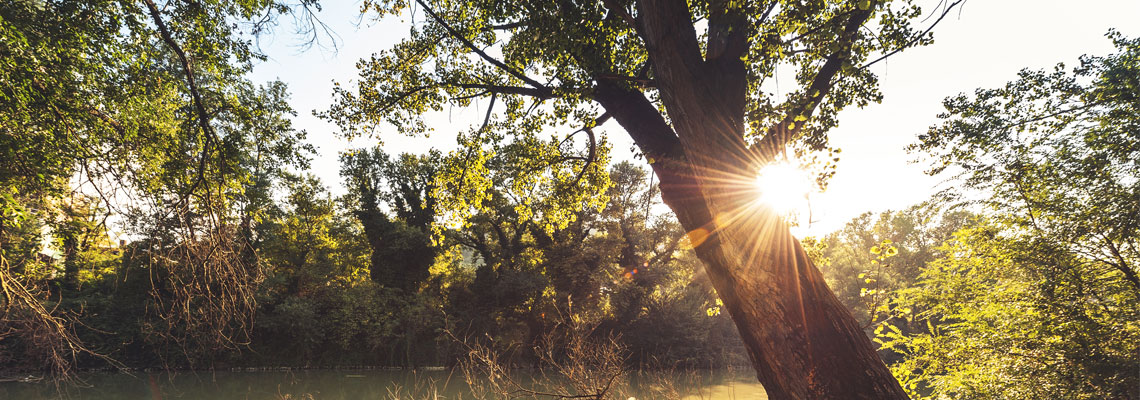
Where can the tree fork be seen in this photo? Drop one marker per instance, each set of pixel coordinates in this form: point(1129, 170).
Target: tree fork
point(803, 343)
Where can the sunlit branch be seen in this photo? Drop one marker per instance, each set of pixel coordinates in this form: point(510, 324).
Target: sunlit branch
point(478, 138)
point(778, 136)
point(199, 106)
point(916, 38)
point(471, 46)
point(624, 14)
point(487, 118)
point(591, 157)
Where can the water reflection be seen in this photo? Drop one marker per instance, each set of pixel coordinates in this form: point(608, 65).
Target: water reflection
point(355, 384)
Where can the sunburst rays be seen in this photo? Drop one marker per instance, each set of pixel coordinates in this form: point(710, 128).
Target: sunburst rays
point(754, 208)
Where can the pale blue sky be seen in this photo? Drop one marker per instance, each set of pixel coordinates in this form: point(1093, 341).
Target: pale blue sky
point(983, 45)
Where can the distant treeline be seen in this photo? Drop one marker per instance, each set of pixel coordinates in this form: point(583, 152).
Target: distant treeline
point(363, 280)
point(152, 213)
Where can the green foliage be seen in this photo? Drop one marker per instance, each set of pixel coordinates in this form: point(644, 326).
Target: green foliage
point(862, 279)
point(543, 66)
point(318, 298)
point(1058, 153)
point(690, 82)
point(308, 242)
point(402, 249)
point(519, 226)
point(88, 87)
point(503, 277)
point(539, 175)
point(146, 108)
point(1001, 317)
point(624, 268)
point(1041, 301)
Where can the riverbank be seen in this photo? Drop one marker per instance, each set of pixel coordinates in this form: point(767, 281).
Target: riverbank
point(345, 384)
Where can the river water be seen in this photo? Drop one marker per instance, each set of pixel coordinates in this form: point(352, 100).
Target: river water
point(362, 384)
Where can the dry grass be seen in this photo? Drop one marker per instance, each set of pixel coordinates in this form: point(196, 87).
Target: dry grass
point(47, 335)
point(576, 364)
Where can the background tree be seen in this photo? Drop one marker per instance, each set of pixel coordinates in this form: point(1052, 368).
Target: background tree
point(1046, 291)
point(850, 256)
point(689, 84)
point(1060, 148)
point(145, 106)
point(994, 318)
point(402, 251)
point(318, 298)
point(527, 244)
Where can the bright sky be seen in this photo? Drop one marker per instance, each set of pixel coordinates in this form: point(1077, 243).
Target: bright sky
point(983, 45)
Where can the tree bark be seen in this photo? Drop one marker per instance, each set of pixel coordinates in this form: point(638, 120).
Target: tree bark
point(71, 262)
point(803, 343)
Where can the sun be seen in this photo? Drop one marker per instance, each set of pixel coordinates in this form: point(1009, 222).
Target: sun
point(784, 187)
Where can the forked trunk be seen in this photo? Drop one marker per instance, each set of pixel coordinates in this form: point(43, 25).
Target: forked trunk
point(803, 343)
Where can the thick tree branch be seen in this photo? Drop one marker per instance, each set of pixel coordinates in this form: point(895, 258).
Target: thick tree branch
point(671, 42)
point(728, 31)
point(778, 136)
point(916, 38)
point(641, 120)
point(661, 147)
point(199, 107)
point(471, 46)
point(705, 100)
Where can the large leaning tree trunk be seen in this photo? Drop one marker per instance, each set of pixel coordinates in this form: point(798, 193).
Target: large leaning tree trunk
point(696, 107)
point(803, 343)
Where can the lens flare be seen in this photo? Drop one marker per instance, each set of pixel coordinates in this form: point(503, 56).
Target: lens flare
point(784, 187)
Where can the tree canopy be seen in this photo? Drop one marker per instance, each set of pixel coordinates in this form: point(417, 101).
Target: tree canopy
point(574, 62)
point(1040, 301)
point(693, 86)
point(144, 112)
point(156, 211)
point(1061, 148)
